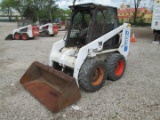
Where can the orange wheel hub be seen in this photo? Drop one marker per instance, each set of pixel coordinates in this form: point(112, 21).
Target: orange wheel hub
point(98, 74)
point(24, 37)
point(119, 67)
point(17, 36)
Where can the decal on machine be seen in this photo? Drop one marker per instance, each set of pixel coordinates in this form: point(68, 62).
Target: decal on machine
point(126, 40)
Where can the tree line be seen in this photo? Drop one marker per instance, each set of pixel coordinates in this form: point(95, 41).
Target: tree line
point(37, 9)
point(34, 9)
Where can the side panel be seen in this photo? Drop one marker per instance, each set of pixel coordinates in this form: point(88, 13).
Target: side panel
point(29, 32)
point(56, 47)
point(50, 29)
point(156, 15)
point(125, 44)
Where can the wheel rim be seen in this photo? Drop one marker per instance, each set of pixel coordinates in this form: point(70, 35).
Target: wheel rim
point(119, 67)
point(24, 37)
point(17, 36)
point(98, 74)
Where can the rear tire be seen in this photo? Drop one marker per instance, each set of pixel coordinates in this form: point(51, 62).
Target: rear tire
point(25, 36)
point(116, 65)
point(17, 36)
point(92, 75)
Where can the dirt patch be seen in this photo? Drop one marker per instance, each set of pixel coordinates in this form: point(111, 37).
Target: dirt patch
point(135, 96)
point(143, 33)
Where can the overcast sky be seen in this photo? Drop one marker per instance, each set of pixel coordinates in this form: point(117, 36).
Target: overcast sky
point(115, 3)
point(65, 3)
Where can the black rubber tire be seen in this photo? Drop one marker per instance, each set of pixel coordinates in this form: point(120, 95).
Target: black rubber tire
point(111, 65)
point(86, 75)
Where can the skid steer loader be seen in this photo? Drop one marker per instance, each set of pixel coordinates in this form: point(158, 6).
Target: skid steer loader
point(24, 33)
point(93, 50)
point(48, 29)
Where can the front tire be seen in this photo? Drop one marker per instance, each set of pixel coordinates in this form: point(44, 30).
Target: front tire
point(92, 75)
point(116, 65)
point(17, 36)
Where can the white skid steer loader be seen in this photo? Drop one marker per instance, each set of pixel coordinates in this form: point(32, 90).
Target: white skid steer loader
point(48, 29)
point(93, 50)
point(24, 33)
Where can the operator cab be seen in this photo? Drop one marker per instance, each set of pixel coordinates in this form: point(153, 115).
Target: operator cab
point(89, 22)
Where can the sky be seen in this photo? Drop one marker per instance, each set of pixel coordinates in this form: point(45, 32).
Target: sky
point(116, 3)
point(66, 3)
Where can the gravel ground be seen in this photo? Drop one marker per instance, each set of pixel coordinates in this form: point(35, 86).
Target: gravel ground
point(135, 96)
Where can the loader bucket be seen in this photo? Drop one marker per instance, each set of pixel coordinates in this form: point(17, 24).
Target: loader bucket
point(54, 89)
point(9, 37)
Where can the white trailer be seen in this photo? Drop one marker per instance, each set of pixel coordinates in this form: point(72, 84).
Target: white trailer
point(156, 20)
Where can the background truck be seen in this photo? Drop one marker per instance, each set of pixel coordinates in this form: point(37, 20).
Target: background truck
point(156, 20)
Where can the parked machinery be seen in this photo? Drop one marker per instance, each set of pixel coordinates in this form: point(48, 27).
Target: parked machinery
point(24, 33)
point(94, 49)
point(48, 29)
